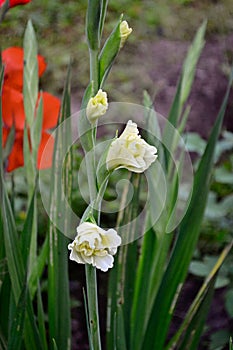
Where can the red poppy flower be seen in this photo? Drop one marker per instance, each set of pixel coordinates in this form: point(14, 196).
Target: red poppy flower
point(13, 3)
point(13, 114)
point(12, 59)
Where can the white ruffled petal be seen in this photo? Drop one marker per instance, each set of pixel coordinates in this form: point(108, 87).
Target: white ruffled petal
point(103, 263)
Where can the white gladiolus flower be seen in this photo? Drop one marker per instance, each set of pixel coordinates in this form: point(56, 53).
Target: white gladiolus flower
point(125, 31)
point(94, 246)
point(97, 106)
point(130, 151)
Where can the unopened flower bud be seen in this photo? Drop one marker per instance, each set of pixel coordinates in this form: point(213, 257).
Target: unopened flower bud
point(125, 31)
point(97, 106)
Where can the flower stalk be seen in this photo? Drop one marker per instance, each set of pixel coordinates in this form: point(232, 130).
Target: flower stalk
point(91, 278)
point(94, 69)
point(91, 283)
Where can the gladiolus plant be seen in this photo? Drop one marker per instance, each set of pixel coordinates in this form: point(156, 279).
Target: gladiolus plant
point(143, 239)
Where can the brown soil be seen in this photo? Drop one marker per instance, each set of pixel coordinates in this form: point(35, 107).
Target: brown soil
point(163, 65)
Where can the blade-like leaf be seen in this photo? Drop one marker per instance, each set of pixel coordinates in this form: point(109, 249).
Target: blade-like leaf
point(25, 238)
point(16, 332)
point(198, 311)
point(109, 52)
point(185, 244)
point(230, 344)
point(31, 80)
point(187, 76)
point(41, 319)
point(102, 16)
point(35, 131)
point(58, 282)
point(120, 340)
point(183, 88)
point(193, 332)
point(16, 268)
point(38, 267)
point(93, 23)
point(141, 291)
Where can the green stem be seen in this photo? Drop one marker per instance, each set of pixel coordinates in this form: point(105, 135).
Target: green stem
point(91, 280)
point(91, 174)
point(94, 69)
point(92, 297)
point(100, 196)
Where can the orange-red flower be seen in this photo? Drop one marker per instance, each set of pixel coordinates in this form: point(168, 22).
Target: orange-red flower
point(13, 3)
point(13, 109)
point(12, 59)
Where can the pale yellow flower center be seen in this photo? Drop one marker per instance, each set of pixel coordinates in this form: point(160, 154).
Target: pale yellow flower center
point(85, 249)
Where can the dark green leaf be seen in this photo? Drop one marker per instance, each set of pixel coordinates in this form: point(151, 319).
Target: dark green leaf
point(16, 331)
point(41, 319)
point(25, 238)
point(120, 341)
point(93, 23)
